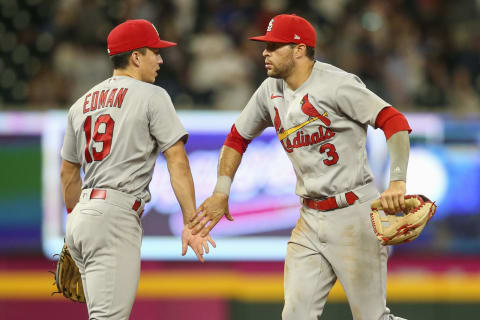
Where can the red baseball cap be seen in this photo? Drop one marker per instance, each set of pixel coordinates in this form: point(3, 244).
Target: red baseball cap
point(134, 34)
point(289, 28)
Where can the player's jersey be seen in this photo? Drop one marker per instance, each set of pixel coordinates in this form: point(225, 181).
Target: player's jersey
point(116, 131)
point(322, 126)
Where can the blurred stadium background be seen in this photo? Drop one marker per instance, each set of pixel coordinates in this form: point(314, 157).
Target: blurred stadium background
point(423, 56)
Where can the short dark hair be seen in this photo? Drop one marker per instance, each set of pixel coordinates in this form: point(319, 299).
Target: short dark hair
point(120, 60)
point(310, 51)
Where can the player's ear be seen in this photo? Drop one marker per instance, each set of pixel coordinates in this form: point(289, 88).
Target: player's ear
point(135, 58)
point(300, 50)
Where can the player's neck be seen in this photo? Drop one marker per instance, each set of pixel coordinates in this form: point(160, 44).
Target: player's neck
point(125, 72)
point(300, 74)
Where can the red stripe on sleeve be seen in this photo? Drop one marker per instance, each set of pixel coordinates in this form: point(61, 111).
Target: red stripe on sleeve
point(235, 141)
point(391, 121)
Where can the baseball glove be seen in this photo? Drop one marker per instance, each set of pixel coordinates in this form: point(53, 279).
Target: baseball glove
point(67, 277)
point(402, 227)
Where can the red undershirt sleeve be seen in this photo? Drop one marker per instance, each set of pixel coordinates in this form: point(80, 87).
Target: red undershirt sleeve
point(235, 141)
point(391, 121)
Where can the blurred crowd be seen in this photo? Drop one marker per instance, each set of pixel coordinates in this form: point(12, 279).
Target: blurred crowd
point(420, 55)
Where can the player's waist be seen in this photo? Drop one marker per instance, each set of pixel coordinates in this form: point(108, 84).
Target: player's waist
point(118, 198)
point(342, 200)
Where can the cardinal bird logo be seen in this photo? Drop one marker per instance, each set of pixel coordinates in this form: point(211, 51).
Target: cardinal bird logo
point(276, 122)
point(311, 112)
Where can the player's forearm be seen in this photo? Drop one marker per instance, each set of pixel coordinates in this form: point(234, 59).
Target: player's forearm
point(228, 164)
point(71, 183)
point(183, 187)
point(399, 149)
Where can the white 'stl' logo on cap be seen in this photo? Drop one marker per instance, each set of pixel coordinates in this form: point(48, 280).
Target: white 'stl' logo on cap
point(270, 25)
point(296, 37)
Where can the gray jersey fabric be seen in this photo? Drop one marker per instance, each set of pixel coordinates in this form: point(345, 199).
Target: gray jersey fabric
point(128, 122)
point(322, 126)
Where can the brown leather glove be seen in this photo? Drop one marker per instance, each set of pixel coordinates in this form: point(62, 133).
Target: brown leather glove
point(402, 227)
point(67, 277)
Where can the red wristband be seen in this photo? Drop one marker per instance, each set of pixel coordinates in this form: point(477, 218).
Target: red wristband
point(69, 210)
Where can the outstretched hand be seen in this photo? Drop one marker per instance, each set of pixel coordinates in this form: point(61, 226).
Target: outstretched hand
point(209, 213)
point(197, 242)
point(393, 199)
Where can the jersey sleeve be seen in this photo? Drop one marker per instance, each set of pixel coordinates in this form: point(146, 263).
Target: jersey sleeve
point(356, 101)
point(69, 148)
point(255, 117)
point(236, 141)
point(391, 121)
point(164, 123)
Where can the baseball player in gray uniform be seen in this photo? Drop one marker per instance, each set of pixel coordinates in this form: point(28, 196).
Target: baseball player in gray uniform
point(115, 133)
point(321, 114)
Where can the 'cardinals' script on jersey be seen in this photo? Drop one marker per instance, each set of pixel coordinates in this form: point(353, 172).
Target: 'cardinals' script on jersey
point(322, 126)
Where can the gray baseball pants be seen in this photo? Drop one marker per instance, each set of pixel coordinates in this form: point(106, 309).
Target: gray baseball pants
point(337, 244)
point(104, 237)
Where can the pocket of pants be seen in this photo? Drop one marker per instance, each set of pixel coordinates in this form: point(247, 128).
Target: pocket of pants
point(91, 212)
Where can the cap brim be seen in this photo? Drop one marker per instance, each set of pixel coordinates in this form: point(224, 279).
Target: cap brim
point(164, 44)
point(268, 39)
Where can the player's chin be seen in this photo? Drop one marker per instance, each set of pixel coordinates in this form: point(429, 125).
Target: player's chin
point(152, 78)
point(273, 74)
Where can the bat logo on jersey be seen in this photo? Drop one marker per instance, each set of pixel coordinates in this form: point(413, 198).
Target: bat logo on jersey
point(301, 139)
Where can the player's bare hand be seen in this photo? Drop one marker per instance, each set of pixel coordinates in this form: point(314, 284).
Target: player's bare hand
point(196, 242)
point(209, 213)
point(393, 199)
